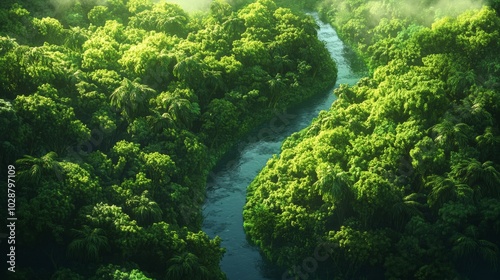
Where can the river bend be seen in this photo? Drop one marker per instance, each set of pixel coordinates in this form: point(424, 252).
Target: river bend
point(226, 187)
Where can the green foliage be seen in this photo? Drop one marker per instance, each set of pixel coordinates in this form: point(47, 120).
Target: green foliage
point(131, 98)
point(16, 22)
point(186, 266)
point(38, 112)
point(114, 112)
point(65, 273)
point(401, 174)
point(151, 59)
point(219, 121)
point(163, 17)
point(101, 52)
point(50, 29)
point(115, 272)
point(98, 15)
point(8, 122)
point(88, 243)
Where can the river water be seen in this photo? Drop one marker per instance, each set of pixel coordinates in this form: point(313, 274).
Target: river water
point(226, 187)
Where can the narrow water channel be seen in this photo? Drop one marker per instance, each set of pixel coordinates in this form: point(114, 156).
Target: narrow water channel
point(226, 189)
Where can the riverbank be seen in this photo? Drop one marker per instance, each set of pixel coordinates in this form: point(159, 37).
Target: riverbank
point(397, 178)
point(226, 192)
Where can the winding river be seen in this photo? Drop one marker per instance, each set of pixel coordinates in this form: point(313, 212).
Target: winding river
point(226, 189)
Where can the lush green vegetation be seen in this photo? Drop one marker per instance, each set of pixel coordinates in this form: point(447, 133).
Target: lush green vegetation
point(402, 175)
point(114, 111)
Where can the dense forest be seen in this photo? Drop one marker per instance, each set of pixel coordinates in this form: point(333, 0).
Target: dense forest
point(112, 113)
point(401, 177)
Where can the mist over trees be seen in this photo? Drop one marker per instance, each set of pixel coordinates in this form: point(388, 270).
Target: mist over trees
point(401, 177)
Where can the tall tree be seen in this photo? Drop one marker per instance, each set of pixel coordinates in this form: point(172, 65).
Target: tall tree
point(89, 244)
point(33, 169)
point(186, 266)
point(132, 98)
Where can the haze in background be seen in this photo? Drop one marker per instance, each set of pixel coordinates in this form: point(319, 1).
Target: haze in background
point(187, 5)
point(454, 8)
point(63, 5)
point(437, 10)
point(192, 5)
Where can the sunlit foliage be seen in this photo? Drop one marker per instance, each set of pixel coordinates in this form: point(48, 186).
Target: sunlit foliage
point(401, 175)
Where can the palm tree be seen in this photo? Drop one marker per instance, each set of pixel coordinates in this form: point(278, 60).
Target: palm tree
point(488, 143)
point(186, 266)
point(132, 98)
point(474, 111)
point(462, 133)
point(467, 245)
point(33, 168)
point(213, 83)
point(76, 37)
point(158, 123)
point(331, 184)
point(144, 210)
point(444, 132)
point(474, 173)
point(406, 208)
point(444, 189)
point(466, 170)
point(491, 178)
point(335, 188)
point(189, 69)
point(89, 243)
point(277, 85)
point(181, 110)
point(450, 134)
point(462, 80)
